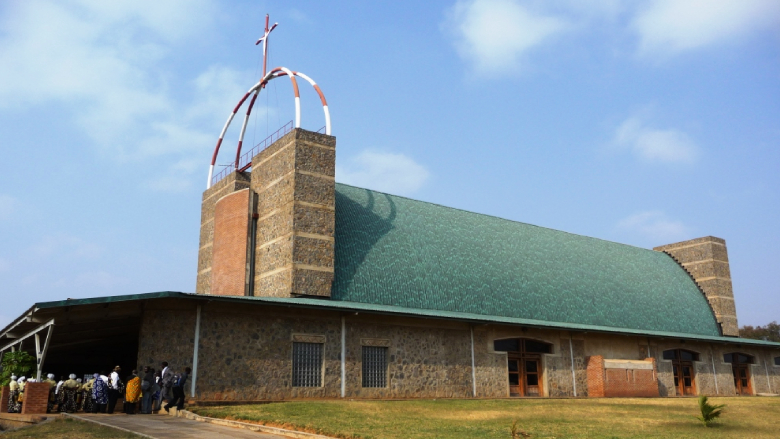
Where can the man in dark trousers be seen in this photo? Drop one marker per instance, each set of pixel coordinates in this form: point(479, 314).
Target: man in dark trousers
point(178, 390)
point(166, 382)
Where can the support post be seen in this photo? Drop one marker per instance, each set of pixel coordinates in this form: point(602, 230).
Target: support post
point(714, 373)
point(195, 353)
point(38, 357)
point(45, 350)
point(343, 357)
point(768, 381)
point(573, 374)
point(473, 366)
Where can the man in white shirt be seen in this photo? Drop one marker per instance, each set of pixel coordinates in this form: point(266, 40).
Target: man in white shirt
point(114, 389)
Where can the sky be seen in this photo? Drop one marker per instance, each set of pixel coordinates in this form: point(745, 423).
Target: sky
point(644, 123)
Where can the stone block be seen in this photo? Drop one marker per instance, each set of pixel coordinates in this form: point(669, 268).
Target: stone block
point(312, 282)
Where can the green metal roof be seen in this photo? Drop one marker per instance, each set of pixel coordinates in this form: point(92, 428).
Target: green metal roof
point(404, 253)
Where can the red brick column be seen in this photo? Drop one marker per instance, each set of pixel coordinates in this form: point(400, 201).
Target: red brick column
point(595, 376)
point(36, 397)
point(4, 401)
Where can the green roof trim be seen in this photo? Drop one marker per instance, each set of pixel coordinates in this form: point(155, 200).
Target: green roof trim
point(311, 303)
point(398, 252)
point(112, 299)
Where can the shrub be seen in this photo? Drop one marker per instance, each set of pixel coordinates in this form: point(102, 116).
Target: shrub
point(16, 363)
point(709, 412)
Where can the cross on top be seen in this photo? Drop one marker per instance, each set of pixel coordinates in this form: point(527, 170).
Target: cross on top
point(264, 40)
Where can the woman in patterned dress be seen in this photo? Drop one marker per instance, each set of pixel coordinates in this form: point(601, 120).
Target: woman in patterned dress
point(13, 395)
point(99, 394)
point(68, 390)
point(86, 392)
point(132, 393)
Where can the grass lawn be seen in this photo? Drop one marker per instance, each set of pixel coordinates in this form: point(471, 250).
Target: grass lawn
point(66, 428)
point(543, 418)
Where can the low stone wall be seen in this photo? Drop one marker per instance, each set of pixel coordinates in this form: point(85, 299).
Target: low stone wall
point(16, 420)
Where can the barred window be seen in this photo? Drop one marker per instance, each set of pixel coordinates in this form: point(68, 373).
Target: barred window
point(307, 364)
point(374, 366)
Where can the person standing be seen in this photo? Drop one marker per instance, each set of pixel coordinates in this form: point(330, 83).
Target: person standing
point(178, 390)
point(68, 390)
point(166, 383)
point(22, 383)
point(86, 391)
point(13, 395)
point(52, 388)
point(115, 389)
point(133, 393)
point(58, 395)
point(99, 394)
point(148, 386)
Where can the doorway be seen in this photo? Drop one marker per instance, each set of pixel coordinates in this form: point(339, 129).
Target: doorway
point(524, 364)
point(683, 370)
point(740, 368)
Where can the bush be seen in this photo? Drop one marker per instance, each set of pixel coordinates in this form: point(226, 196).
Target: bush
point(16, 363)
point(709, 412)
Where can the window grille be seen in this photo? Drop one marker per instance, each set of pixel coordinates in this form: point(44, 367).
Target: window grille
point(374, 366)
point(307, 364)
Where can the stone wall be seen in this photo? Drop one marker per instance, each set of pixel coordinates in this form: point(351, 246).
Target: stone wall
point(245, 353)
point(294, 180)
point(707, 261)
point(231, 227)
point(234, 182)
point(167, 334)
point(36, 398)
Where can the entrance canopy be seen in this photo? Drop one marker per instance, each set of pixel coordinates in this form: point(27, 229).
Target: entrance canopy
point(82, 336)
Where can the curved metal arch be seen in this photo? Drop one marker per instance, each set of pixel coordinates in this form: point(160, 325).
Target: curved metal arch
point(254, 91)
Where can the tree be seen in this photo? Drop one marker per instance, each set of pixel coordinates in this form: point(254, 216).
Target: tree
point(770, 332)
point(16, 363)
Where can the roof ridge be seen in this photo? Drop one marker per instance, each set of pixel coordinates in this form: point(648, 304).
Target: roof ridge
point(500, 218)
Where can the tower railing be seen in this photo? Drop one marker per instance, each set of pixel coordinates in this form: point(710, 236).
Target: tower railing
point(245, 161)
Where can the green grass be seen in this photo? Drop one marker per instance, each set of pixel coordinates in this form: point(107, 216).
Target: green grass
point(543, 418)
point(67, 428)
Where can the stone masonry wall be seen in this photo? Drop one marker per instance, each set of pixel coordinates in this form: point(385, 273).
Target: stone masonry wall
point(231, 227)
point(707, 261)
point(294, 179)
point(167, 334)
point(234, 182)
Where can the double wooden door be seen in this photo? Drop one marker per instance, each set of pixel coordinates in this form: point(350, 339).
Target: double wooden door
point(524, 375)
point(683, 377)
point(742, 378)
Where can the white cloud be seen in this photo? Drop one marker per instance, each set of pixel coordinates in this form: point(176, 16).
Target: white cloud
point(7, 206)
point(106, 64)
point(494, 35)
point(382, 171)
point(655, 145)
point(668, 27)
point(655, 226)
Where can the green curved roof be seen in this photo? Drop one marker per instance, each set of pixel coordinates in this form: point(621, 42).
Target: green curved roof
point(395, 251)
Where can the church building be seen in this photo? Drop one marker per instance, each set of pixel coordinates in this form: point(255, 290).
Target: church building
point(307, 288)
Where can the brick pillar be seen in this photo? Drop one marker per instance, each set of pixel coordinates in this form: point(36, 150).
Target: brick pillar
point(36, 398)
point(4, 401)
point(295, 186)
point(707, 261)
point(232, 183)
point(595, 376)
point(229, 255)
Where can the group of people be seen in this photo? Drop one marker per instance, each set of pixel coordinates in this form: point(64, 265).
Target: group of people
point(101, 393)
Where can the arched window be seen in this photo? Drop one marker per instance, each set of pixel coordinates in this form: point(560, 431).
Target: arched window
point(523, 364)
point(682, 366)
point(740, 367)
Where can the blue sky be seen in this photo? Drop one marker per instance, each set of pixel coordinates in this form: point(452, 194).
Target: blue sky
point(644, 123)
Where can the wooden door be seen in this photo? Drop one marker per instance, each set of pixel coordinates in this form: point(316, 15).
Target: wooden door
point(532, 377)
point(683, 378)
point(515, 376)
point(742, 379)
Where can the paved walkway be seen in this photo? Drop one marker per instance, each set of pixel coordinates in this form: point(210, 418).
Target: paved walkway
point(165, 427)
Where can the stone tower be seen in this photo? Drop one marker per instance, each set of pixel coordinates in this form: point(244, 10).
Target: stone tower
point(270, 232)
point(707, 261)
